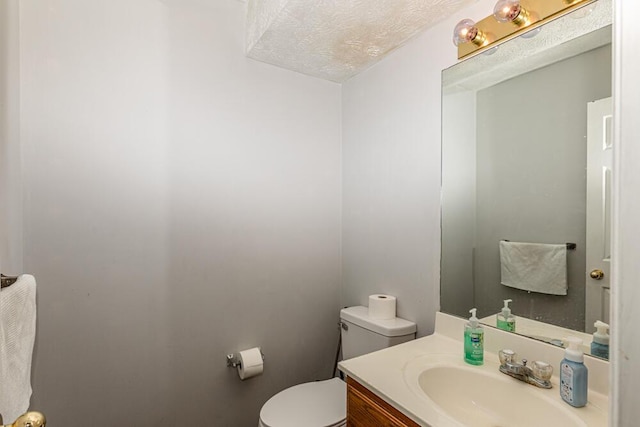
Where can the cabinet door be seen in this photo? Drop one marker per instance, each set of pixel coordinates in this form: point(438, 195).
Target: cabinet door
point(365, 409)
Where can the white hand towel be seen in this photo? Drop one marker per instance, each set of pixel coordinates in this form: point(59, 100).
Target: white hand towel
point(17, 335)
point(534, 267)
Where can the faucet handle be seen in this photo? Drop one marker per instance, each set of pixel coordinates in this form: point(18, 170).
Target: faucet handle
point(542, 370)
point(507, 356)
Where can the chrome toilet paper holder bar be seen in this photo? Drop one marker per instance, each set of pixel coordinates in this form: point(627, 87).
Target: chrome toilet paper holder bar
point(233, 361)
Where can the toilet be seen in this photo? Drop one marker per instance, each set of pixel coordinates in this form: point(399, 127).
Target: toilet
point(324, 403)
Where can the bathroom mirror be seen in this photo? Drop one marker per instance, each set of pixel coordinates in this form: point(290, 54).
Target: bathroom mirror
point(519, 123)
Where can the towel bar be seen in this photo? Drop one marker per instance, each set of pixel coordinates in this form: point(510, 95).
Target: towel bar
point(6, 281)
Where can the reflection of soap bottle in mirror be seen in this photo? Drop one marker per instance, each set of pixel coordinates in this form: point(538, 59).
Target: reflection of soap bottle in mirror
point(506, 320)
point(600, 343)
point(473, 340)
point(573, 374)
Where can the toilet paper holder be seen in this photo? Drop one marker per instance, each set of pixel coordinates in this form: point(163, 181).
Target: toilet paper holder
point(233, 361)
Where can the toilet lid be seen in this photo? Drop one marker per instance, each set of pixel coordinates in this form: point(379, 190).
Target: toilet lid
point(316, 404)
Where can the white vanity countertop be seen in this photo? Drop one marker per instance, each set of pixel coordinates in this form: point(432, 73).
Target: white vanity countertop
point(386, 372)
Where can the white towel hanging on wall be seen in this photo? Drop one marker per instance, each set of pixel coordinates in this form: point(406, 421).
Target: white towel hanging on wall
point(17, 336)
point(534, 267)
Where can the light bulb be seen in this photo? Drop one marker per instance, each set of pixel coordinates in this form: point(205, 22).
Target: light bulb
point(466, 31)
point(491, 51)
point(584, 11)
point(509, 11)
point(532, 33)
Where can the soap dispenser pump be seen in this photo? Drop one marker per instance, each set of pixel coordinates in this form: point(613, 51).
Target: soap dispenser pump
point(473, 340)
point(573, 374)
point(600, 343)
point(505, 320)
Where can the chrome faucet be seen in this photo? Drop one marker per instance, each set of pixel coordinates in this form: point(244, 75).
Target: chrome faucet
point(539, 375)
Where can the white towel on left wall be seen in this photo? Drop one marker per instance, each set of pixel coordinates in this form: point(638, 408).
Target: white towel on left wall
point(17, 336)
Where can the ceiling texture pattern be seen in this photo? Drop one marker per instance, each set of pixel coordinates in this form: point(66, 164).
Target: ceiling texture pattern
point(336, 39)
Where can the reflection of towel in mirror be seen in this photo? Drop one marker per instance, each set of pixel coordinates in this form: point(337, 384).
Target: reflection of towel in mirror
point(534, 267)
point(17, 335)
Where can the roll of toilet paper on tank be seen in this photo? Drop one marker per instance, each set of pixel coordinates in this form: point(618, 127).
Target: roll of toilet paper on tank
point(382, 306)
point(251, 363)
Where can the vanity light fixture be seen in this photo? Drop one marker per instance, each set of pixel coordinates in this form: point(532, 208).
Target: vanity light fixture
point(510, 19)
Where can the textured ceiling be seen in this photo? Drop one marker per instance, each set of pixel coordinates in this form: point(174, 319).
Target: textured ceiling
point(336, 39)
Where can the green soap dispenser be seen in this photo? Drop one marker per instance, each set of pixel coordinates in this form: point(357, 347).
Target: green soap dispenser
point(505, 320)
point(473, 340)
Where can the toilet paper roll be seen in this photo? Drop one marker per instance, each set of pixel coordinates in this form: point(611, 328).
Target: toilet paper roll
point(382, 306)
point(251, 363)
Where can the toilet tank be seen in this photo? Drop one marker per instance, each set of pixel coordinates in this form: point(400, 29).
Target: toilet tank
point(362, 334)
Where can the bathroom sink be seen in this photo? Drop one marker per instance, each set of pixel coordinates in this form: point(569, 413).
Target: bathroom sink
point(477, 399)
point(472, 396)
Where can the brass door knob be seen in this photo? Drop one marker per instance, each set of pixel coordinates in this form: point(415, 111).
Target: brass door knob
point(30, 419)
point(596, 274)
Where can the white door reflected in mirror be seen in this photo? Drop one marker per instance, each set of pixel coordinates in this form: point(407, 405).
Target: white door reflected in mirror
point(599, 181)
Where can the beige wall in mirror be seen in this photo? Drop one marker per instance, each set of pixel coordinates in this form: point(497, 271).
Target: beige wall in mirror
point(514, 152)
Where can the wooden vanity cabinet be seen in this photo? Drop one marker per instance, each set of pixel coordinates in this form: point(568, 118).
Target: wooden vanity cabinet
point(365, 409)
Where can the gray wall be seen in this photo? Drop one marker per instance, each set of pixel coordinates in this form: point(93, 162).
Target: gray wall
point(531, 178)
point(10, 160)
point(390, 234)
point(391, 174)
point(182, 202)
